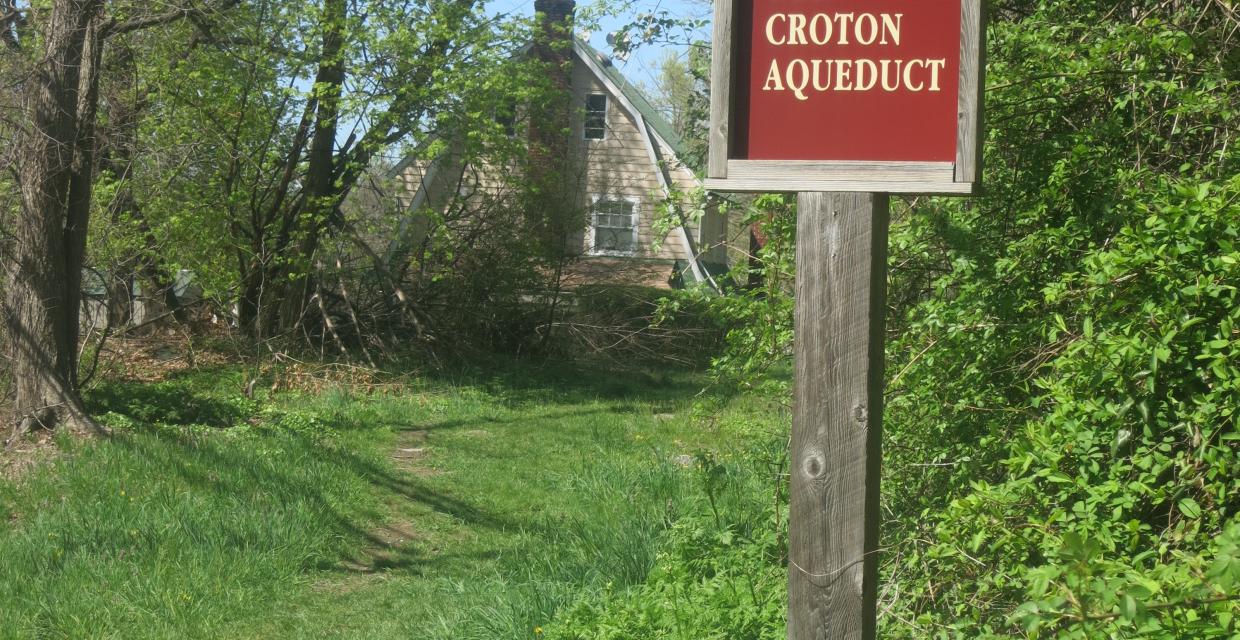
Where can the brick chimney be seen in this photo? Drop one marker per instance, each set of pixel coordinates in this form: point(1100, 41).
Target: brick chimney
point(555, 11)
point(553, 40)
point(553, 46)
point(552, 155)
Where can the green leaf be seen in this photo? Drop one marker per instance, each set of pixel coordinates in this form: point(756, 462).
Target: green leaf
point(1130, 608)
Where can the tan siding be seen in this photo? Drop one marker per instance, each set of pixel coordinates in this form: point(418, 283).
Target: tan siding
point(620, 166)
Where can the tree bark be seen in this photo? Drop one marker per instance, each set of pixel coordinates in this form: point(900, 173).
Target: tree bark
point(43, 293)
point(320, 186)
point(82, 181)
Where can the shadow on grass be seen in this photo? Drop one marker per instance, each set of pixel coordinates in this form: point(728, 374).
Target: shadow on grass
point(518, 382)
point(231, 470)
point(371, 549)
point(167, 403)
point(480, 422)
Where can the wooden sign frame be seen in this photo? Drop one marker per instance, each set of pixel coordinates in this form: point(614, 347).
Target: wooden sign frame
point(962, 177)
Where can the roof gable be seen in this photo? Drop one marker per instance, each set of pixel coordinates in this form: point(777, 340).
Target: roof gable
point(606, 70)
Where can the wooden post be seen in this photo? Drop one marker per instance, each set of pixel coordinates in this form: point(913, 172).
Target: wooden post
point(772, 140)
point(841, 291)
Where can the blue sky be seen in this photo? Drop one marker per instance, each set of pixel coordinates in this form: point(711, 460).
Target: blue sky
point(642, 67)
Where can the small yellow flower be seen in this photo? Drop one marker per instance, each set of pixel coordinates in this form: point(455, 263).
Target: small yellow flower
point(538, 631)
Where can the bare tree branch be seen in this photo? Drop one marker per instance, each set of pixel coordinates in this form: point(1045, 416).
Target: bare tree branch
point(114, 27)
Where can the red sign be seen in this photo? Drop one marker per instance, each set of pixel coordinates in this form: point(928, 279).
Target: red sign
point(848, 80)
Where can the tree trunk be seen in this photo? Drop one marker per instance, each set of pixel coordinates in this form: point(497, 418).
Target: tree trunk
point(43, 280)
point(251, 299)
point(320, 186)
point(81, 182)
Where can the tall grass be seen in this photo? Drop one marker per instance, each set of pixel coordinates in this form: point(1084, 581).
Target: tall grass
point(209, 515)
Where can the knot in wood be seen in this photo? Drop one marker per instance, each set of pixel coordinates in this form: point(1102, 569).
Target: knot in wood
point(814, 465)
point(861, 414)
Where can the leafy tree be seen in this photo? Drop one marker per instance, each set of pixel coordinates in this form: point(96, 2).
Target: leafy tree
point(302, 105)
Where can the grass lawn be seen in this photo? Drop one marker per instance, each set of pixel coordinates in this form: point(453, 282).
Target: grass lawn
point(471, 505)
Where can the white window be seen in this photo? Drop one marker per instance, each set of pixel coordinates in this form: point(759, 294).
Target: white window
point(613, 226)
point(596, 116)
point(506, 116)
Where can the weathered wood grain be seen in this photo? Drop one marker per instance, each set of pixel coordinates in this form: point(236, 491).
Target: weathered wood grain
point(972, 85)
point(840, 171)
point(837, 421)
point(795, 185)
point(861, 176)
point(721, 89)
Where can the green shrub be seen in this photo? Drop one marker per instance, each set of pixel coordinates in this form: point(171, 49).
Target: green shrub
point(708, 584)
point(1107, 501)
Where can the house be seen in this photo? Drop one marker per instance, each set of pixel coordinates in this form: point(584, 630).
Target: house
point(629, 159)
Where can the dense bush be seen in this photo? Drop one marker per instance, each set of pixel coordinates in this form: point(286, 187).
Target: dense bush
point(1061, 414)
point(1099, 481)
point(707, 584)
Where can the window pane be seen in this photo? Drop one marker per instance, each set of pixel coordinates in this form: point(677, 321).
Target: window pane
point(606, 240)
point(613, 240)
point(624, 241)
point(596, 116)
point(612, 213)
